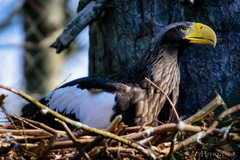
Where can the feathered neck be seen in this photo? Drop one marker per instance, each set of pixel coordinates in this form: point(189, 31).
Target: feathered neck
point(157, 63)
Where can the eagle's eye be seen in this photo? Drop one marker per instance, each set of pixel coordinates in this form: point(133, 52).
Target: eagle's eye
point(183, 28)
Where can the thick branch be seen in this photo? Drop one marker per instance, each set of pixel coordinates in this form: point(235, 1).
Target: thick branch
point(90, 12)
point(217, 101)
point(82, 4)
point(162, 129)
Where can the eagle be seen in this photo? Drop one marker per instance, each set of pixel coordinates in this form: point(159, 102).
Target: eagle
point(96, 100)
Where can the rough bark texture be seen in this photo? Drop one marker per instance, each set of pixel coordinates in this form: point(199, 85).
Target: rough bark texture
point(124, 32)
point(89, 13)
point(207, 69)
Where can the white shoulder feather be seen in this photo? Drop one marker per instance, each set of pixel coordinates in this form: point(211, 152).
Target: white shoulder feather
point(91, 108)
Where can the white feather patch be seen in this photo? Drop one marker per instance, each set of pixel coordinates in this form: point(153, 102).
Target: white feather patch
point(93, 109)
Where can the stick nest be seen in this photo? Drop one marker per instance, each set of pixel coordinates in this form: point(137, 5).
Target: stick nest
point(204, 135)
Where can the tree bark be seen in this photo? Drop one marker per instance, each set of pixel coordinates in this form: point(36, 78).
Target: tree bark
point(124, 32)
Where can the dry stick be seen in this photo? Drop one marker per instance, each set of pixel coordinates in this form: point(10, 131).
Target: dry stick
point(69, 143)
point(31, 139)
point(38, 125)
point(40, 146)
point(2, 97)
point(162, 129)
point(9, 126)
point(98, 139)
point(74, 139)
point(121, 149)
point(45, 127)
point(171, 151)
point(169, 100)
point(80, 125)
point(171, 127)
point(203, 134)
point(47, 149)
point(23, 130)
point(113, 124)
point(32, 132)
point(198, 116)
point(217, 101)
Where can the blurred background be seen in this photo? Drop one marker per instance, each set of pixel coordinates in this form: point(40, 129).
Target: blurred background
point(27, 63)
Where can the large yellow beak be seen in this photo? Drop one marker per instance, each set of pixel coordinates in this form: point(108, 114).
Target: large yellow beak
point(201, 34)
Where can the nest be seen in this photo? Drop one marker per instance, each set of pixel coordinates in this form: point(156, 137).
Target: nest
point(204, 135)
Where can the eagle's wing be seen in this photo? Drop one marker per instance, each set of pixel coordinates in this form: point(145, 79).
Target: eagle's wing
point(89, 100)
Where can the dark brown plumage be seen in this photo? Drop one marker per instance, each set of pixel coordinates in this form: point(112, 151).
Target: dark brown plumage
point(128, 92)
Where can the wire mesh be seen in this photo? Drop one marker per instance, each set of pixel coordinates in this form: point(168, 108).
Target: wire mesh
point(39, 67)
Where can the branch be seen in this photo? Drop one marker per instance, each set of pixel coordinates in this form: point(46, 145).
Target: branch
point(70, 143)
point(89, 13)
point(162, 129)
point(82, 4)
point(202, 134)
point(80, 125)
point(74, 139)
point(217, 101)
point(20, 132)
point(169, 100)
point(37, 125)
point(110, 128)
point(47, 149)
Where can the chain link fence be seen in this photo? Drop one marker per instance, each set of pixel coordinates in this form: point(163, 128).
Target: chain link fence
point(41, 69)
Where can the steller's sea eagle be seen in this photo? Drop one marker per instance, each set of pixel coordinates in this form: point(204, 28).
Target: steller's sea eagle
point(95, 101)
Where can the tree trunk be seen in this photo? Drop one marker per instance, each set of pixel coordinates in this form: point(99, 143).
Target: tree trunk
point(124, 32)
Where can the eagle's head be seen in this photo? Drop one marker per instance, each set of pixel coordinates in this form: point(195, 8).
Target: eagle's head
point(184, 33)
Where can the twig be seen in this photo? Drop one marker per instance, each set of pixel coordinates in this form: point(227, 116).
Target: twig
point(40, 146)
point(162, 129)
point(229, 111)
point(2, 97)
point(32, 132)
point(39, 126)
point(217, 101)
point(174, 139)
point(169, 100)
point(61, 83)
point(121, 149)
point(21, 139)
point(10, 126)
point(110, 128)
point(202, 134)
point(47, 149)
point(45, 127)
point(80, 125)
point(26, 145)
point(69, 143)
point(114, 123)
point(74, 139)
